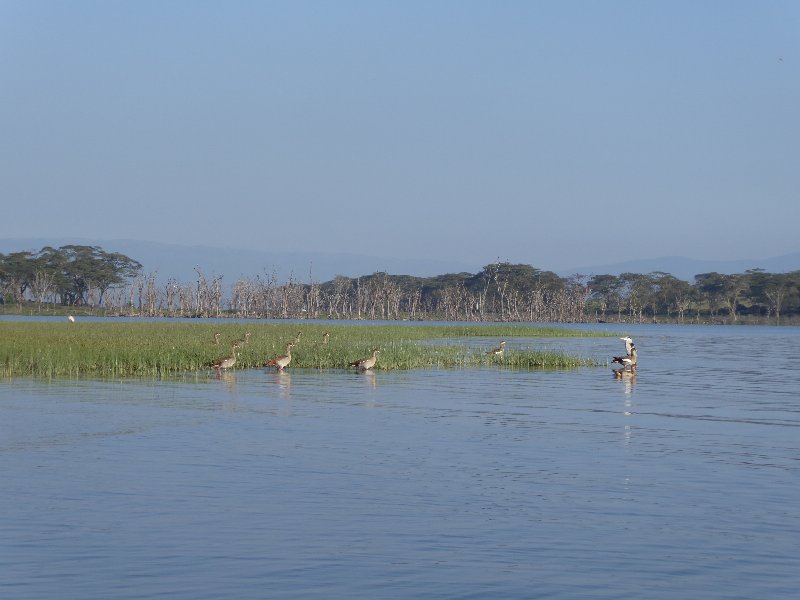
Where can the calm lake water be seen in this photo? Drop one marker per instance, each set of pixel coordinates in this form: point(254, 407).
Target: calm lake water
point(681, 482)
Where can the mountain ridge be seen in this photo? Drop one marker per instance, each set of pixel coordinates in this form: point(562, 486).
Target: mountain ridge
point(686, 268)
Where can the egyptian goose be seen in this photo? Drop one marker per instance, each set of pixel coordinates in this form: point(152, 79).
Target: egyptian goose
point(245, 339)
point(498, 351)
point(366, 363)
point(228, 361)
point(283, 360)
point(628, 361)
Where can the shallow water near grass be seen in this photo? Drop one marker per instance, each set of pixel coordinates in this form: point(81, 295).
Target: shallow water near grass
point(680, 481)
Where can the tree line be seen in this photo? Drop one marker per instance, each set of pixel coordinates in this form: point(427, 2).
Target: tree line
point(501, 291)
point(69, 275)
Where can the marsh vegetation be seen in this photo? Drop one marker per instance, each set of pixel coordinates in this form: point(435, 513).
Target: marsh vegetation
point(119, 349)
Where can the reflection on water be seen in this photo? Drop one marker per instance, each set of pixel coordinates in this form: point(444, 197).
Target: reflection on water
point(679, 480)
point(282, 380)
point(628, 380)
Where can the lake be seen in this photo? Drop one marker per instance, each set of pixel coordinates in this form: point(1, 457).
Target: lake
point(682, 481)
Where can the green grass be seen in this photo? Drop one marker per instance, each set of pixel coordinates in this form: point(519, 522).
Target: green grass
point(158, 349)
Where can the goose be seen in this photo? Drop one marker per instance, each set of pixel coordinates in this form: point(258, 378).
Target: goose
point(498, 351)
point(228, 361)
point(366, 363)
point(283, 360)
point(297, 339)
point(245, 339)
point(216, 338)
point(628, 361)
point(325, 337)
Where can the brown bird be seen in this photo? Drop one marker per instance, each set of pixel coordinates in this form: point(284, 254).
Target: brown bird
point(366, 363)
point(245, 339)
point(228, 361)
point(628, 361)
point(499, 350)
point(297, 338)
point(325, 337)
point(283, 360)
point(216, 338)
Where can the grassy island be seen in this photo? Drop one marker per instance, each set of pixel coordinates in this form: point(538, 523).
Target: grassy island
point(126, 349)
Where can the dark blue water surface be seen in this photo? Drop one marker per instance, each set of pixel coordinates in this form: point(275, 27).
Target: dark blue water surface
point(682, 481)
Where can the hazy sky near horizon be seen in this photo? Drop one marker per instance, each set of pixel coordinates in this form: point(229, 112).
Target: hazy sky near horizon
point(556, 134)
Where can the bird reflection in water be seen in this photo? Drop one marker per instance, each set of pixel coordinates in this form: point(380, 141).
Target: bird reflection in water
point(228, 377)
point(627, 377)
point(369, 378)
point(371, 382)
point(283, 380)
point(230, 401)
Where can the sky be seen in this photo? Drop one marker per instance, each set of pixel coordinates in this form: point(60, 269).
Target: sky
point(554, 134)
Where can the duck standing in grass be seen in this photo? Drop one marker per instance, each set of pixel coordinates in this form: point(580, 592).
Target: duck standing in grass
point(244, 340)
point(227, 362)
point(283, 360)
point(325, 337)
point(216, 338)
point(366, 363)
point(497, 351)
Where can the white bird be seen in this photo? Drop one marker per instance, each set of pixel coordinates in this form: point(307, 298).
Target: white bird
point(628, 344)
point(71, 319)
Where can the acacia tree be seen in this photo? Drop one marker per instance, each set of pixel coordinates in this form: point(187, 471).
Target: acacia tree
point(777, 288)
point(16, 274)
point(733, 287)
point(87, 267)
point(710, 287)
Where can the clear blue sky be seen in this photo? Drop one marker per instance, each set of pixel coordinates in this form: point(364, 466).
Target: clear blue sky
point(551, 133)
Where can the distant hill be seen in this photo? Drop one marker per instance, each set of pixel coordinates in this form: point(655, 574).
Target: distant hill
point(686, 268)
point(175, 261)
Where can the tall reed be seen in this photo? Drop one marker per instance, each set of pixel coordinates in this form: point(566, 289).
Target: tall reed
point(123, 349)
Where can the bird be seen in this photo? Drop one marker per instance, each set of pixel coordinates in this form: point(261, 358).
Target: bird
point(498, 351)
point(325, 337)
point(366, 363)
point(228, 361)
point(216, 338)
point(71, 318)
point(283, 360)
point(629, 360)
point(297, 338)
point(628, 344)
point(245, 339)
